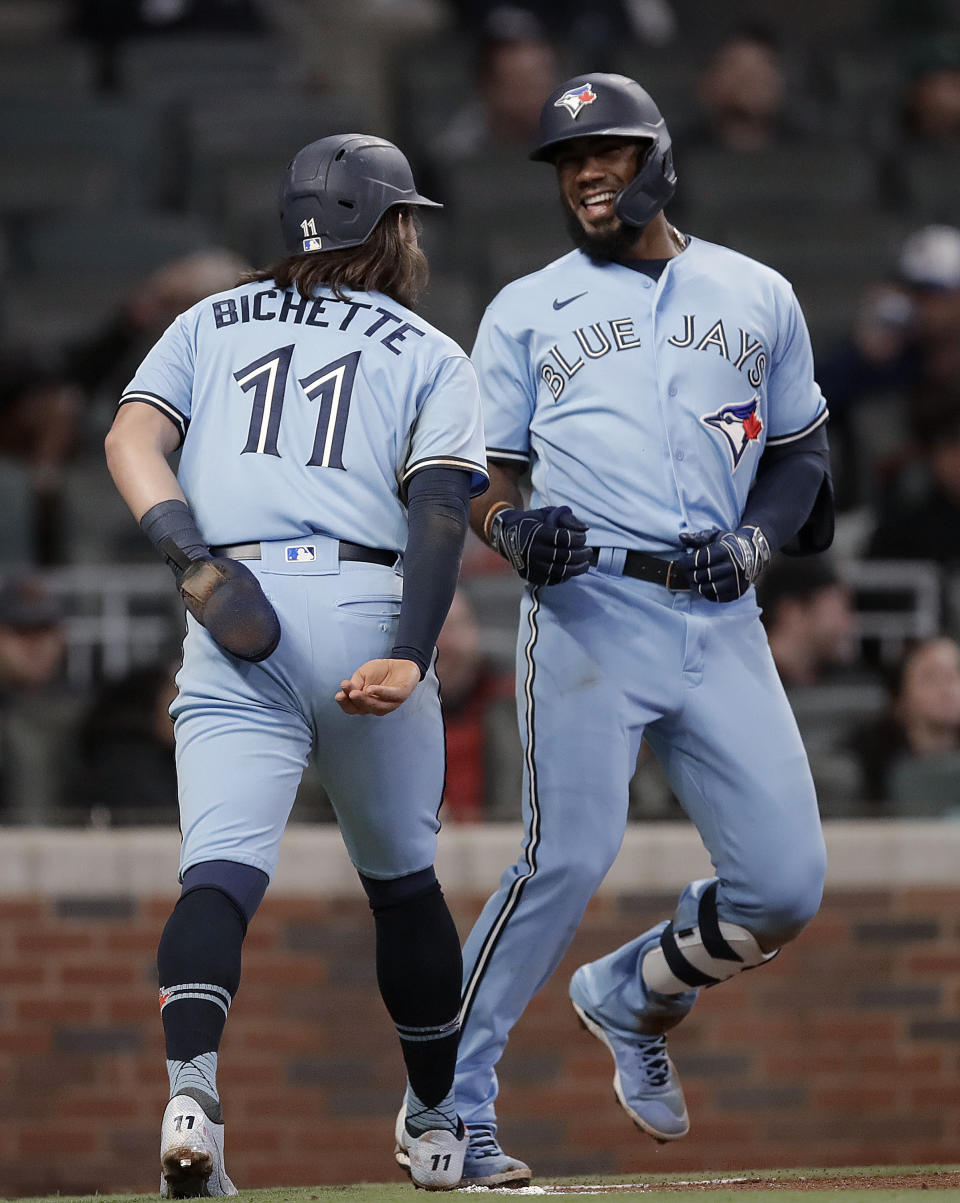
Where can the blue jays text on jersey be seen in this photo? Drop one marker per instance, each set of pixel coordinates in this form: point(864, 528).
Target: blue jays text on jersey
point(353, 394)
point(675, 386)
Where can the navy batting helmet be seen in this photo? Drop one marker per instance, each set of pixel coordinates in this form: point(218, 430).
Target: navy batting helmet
point(600, 104)
point(336, 190)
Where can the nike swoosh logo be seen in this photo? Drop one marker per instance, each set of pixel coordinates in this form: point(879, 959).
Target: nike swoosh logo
point(560, 304)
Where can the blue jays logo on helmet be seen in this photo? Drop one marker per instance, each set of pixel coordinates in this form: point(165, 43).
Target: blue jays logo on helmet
point(738, 425)
point(575, 99)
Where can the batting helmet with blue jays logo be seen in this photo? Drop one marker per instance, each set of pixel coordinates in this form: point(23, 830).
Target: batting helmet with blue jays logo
point(335, 191)
point(599, 104)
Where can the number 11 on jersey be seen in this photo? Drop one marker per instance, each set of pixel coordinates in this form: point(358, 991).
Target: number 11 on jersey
point(332, 385)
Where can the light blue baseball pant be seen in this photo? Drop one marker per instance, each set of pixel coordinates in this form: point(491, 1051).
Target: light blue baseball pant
point(603, 660)
point(244, 731)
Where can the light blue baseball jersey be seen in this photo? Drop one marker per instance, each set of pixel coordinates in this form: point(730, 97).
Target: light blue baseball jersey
point(644, 404)
point(301, 415)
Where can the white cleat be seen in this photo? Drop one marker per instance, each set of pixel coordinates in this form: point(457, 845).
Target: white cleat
point(191, 1153)
point(434, 1159)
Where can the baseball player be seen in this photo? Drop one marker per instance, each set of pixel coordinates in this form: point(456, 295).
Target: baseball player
point(331, 441)
point(660, 391)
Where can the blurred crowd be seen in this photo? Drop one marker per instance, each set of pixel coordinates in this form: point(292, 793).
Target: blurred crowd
point(141, 149)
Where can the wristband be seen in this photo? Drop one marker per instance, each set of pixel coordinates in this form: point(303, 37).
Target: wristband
point(491, 514)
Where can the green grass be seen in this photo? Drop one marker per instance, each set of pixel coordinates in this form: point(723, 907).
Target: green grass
point(781, 1188)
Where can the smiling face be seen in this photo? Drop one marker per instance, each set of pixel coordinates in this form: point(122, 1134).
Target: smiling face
point(591, 171)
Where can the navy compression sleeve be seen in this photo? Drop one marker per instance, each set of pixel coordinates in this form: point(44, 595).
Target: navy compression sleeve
point(792, 493)
point(438, 506)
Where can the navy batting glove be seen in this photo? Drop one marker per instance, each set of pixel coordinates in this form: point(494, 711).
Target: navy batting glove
point(722, 565)
point(545, 546)
point(224, 596)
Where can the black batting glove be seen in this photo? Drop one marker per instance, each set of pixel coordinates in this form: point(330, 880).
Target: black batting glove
point(222, 595)
point(722, 565)
point(545, 546)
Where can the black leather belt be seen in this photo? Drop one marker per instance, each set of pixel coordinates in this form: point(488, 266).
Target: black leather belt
point(348, 551)
point(650, 568)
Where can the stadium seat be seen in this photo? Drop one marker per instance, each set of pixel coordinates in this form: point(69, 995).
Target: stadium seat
point(39, 70)
point(184, 66)
point(78, 155)
point(896, 602)
point(931, 181)
point(431, 81)
point(122, 244)
point(17, 507)
point(812, 181)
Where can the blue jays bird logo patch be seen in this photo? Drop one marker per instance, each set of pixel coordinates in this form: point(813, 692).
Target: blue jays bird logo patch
point(574, 99)
point(738, 425)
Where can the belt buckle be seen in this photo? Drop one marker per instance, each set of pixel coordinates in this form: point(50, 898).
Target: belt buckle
point(671, 564)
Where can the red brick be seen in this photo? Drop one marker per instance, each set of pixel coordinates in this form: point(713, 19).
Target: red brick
point(24, 1043)
point(825, 930)
point(898, 1063)
point(855, 1099)
point(133, 1008)
point(937, 963)
point(21, 973)
point(69, 1140)
point(272, 971)
point(105, 1106)
point(789, 1063)
point(947, 1094)
point(125, 938)
point(22, 910)
point(110, 975)
point(47, 940)
point(54, 1010)
point(857, 1028)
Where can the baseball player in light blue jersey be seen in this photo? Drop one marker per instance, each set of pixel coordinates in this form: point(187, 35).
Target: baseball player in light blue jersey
point(660, 390)
point(331, 441)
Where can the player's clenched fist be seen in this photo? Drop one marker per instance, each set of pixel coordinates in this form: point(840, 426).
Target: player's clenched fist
point(378, 687)
point(545, 546)
point(722, 565)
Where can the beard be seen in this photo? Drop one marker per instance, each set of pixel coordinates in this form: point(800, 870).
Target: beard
point(612, 245)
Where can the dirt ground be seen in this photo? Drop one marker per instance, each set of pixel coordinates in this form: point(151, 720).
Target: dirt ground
point(924, 1180)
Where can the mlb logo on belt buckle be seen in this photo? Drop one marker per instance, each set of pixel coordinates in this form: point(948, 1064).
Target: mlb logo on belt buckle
point(301, 553)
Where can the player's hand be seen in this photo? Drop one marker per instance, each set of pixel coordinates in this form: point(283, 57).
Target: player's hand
point(225, 597)
point(378, 687)
point(545, 546)
point(722, 565)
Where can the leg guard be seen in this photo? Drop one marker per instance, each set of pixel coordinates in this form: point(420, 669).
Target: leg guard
point(707, 952)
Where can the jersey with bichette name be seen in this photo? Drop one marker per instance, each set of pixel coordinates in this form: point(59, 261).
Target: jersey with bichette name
point(644, 404)
point(303, 415)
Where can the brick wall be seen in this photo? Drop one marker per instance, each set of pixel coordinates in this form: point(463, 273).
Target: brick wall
point(844, 1050)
